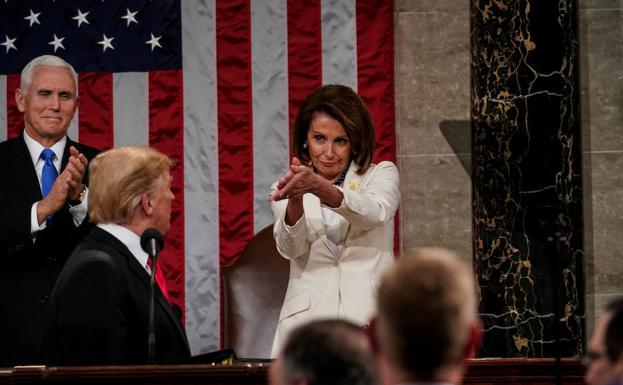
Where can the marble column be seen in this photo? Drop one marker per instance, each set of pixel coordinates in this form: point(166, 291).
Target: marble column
point(527, 182)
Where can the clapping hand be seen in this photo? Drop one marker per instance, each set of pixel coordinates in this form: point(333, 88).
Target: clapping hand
point(76, 167)
point(299, 179)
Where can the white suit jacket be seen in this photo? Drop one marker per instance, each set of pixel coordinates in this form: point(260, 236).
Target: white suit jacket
point(319, 280)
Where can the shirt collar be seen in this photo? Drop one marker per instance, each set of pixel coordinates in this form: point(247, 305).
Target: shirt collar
point(129, 239)
point(35, 148)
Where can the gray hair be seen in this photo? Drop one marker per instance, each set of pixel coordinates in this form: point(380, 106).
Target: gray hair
point(44, 60)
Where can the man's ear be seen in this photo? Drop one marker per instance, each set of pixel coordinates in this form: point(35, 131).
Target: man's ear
point(147, 204)
point(474, 340)
point(19, 100)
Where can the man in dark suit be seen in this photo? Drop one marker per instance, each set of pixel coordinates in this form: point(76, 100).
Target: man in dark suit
point(99, 306)
point(41, 221)
point(427, 323)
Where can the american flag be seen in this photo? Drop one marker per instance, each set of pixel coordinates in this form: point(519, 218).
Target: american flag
point(215, 84)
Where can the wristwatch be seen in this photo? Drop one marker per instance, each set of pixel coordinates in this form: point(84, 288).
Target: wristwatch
point(75, 202)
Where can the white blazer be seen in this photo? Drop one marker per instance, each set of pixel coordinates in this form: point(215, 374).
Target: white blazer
point(323, 284)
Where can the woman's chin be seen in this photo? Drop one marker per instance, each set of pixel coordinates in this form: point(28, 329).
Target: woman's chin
point(328, 176)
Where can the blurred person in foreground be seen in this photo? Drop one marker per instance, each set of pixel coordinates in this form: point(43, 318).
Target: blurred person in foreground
point(333, 212)
point(99, 306)
point(604, 359)
point(43, 204)
point(427, 322)
point(325, 352)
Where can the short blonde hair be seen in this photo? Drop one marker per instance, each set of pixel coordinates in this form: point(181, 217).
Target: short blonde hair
point(118, 178)
point(427, 303)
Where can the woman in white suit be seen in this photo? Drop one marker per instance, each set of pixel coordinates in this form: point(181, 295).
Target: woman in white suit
point(333, 212)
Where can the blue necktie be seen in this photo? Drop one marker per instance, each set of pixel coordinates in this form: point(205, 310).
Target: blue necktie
point(49, 174)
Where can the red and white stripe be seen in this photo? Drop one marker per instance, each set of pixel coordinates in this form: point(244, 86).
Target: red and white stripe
point(224, 119)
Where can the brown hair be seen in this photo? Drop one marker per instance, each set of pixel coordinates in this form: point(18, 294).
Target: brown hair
point(328, 352)
point(427, 303)
point(345, 106)
point(118, 178)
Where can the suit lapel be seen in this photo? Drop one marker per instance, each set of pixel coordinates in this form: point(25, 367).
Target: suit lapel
point(168, 309)
point(25, 174)
point(141, 274)
point(352, 182)
point(65, 159)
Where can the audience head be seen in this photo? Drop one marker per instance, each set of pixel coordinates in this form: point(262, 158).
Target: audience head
point(48, 98)
point(605, 349)
point(326, 352)
point(130, 186)
point(427, 320)
point(348, 109)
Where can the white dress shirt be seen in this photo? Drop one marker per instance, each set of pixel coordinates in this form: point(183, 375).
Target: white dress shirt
point(131, 240)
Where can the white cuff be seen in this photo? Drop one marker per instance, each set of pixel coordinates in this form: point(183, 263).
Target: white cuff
point(35, 227)
point(79, 211)
point(296, 228)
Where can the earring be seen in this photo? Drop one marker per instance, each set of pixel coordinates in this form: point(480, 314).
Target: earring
point(305, 146)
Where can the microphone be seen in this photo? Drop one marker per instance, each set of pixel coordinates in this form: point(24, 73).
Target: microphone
point(152, 243)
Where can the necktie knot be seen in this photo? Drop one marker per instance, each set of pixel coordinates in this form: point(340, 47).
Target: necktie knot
point(47, 155)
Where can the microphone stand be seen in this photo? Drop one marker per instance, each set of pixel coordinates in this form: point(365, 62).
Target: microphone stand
point(151, 339)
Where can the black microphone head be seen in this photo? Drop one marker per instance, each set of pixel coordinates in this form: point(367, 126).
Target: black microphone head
point(149, 235)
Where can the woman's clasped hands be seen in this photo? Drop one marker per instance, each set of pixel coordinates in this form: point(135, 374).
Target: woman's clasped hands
point(299, 179)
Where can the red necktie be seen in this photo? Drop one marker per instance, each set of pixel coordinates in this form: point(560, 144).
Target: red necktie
point(160, 281)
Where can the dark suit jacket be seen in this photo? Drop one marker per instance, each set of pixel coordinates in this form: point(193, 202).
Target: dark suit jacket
point(98, 311)
point(28, 271)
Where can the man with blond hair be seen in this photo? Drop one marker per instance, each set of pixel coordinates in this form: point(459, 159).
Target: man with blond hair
point(427, 323)
point(99, 306)
point(43, 203)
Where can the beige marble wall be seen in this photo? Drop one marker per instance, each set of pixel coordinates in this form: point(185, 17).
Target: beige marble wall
point(601, 49)
point(433, 131)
